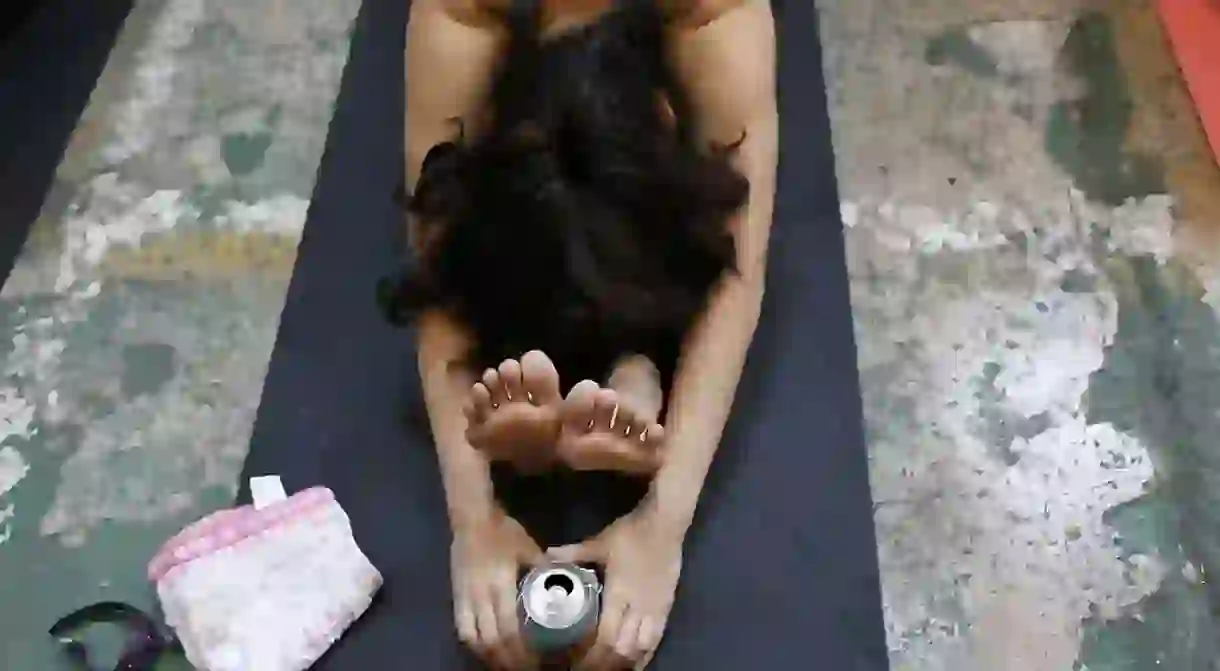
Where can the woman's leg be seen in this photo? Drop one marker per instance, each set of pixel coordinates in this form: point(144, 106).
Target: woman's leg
point(514, 413)
point(614, 428)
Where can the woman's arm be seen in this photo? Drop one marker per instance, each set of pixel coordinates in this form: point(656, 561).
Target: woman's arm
point(723, 52)
point(464, 471)
point(452, 47)
point(451, 50)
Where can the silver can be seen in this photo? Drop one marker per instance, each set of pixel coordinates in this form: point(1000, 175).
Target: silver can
point(558, 605)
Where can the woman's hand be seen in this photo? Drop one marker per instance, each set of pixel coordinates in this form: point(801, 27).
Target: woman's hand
point(642, 558)
point(486, 558)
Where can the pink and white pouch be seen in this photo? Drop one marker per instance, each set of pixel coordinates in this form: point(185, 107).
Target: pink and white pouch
point(264, 587)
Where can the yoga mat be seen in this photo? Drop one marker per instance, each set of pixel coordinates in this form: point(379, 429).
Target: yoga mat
point(48, 67)
point(1194, 32)
point(13, 15)
point(780, 568)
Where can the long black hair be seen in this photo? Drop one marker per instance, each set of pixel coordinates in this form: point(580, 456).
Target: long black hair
point(583, 221)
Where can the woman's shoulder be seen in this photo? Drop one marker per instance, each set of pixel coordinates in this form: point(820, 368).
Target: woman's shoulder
point(690, 14)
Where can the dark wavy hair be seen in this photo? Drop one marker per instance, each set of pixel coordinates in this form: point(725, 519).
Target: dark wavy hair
point(584, 221)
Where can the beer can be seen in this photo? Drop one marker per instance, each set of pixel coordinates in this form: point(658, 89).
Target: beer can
point(559, 606)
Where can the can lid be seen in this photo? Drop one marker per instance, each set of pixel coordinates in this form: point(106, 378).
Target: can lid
point(555, 598)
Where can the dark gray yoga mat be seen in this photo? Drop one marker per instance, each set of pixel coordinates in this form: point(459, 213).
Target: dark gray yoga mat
point(51, 54)
point(780, 570)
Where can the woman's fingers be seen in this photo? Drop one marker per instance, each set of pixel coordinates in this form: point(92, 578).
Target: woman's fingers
point(627, 645)
point(468, 632)
point(491, 645)
point(485, 570)
point(601, 656)
point(648, 638)
point(626, 639)
point(487, 622)
point(651, 630)
point(509, 626)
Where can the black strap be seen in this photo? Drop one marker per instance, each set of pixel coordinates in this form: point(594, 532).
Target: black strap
point(524, 20)
point(144, 644)
point(524, 17)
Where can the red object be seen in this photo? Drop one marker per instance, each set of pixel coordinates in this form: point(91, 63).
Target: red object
point(1194, 31)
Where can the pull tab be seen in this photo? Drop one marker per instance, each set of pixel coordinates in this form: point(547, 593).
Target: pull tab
point(266, 490)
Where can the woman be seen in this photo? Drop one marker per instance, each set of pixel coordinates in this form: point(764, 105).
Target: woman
point(592, 186)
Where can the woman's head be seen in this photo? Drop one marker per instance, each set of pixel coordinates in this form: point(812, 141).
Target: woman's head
point(581, 209)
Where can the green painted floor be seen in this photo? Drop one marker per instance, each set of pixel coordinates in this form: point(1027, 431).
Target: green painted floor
point(1029, 208)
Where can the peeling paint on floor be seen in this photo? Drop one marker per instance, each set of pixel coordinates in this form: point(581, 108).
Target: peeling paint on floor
point(12, 469)
point(1087, 135)
point(138, 322)
point(990, 454)
point(136, 122)
point(16, 417)
point(995, 211)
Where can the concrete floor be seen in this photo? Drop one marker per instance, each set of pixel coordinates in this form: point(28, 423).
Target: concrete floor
point(1023, 184)
point(1029, 205)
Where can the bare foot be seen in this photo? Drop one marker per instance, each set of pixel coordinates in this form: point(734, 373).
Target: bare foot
point(514, 412)
point(615, 428)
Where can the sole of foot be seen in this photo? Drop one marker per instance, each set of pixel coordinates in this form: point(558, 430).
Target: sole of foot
point(602, 431)
point(514, 412)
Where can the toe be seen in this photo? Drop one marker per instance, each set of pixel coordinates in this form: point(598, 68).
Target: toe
point(540, 378)
point(468, 410)
point(578, 406)
point(654, 436)
point(510, 375)
point(626, 423)
point(604, 406)
point(478, 406)
point(491, 380)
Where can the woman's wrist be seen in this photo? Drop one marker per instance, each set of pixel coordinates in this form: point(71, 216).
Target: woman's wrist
point(673, 498)
point(469, 492)
point(472, 515)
